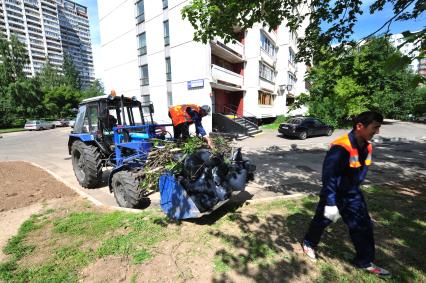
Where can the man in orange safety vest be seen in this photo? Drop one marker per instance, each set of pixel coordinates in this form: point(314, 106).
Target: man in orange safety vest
point(186, 114)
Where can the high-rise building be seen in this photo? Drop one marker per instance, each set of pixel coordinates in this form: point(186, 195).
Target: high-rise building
point(49, 29)
point(75, 36)
point(152, 55)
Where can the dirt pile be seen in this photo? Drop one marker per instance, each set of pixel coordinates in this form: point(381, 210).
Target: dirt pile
point(23, 184)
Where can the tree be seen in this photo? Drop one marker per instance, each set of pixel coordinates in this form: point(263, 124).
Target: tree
point(59, 101)
point(13, 57)
point(212, 18)
point(95, 89)
point(49, 77)
point(364, 78)
point(71, 75)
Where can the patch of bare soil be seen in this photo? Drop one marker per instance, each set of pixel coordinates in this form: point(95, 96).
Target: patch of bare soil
point(23, 184)
point(24, 189)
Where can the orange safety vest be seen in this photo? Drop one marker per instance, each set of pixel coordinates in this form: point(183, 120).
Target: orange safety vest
point(344, 142)
point(179, 115)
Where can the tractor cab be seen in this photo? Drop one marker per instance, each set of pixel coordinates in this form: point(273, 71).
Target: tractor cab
point(98, 116)
point(112, 131)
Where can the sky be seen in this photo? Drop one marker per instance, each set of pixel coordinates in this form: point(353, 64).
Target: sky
point(366, 24)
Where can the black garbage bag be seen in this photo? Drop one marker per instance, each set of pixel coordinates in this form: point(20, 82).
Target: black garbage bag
point(195, 163)
point(204, 201)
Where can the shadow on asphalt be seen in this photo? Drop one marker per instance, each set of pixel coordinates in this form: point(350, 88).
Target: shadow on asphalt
point(299, 170)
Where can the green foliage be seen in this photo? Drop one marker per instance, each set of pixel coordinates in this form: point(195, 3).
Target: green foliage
point(52, 93)
point(13, 57)
point(328, 21)
point(95, 89)
point(71, 76)
point(374, 76)
point(192, 144)
point(59, 101)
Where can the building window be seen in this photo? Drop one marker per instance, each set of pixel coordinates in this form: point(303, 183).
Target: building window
point(168, 69)
point(291, 56)
point(140, 12)
point(166, 33)
point(267, 45)
point(144, 75)
point(266, 72)
point(165, 4)
point(142, 44)
point(292, 79)
point(265, 98)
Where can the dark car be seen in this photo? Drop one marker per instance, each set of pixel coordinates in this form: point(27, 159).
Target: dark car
point(303, 127)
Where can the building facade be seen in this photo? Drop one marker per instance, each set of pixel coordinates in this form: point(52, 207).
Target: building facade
point(75, 36)
point(152, 55)
point(49, 29)
point(418, 65)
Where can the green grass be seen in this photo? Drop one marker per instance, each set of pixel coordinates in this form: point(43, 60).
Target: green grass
point(219, 266)
point(273, 126)
point(124, 234)
point(260, 242)
point(10, 130)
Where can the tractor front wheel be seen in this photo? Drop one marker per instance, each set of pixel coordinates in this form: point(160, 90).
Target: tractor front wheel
point(127, 192)
point(87, 164)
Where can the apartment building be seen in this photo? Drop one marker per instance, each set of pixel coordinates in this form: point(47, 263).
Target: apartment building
point(50, 29)
point(75, 36)
point(417, 65)
point(152, 55)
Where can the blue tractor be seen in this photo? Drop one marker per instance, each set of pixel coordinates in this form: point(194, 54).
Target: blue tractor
point(113, 131)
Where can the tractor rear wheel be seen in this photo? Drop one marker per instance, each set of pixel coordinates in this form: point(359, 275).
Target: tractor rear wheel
point(127, 192)
point(87, 164)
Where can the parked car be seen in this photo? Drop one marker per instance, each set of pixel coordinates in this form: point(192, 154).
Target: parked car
point(303, 127)
point(62, 123)
point(71, 123)
point(38, 125)
point(57, 123)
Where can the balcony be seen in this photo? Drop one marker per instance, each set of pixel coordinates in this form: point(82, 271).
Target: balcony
point(226, 79)
point(232, 52)
point(266, 85)
point(268, 58)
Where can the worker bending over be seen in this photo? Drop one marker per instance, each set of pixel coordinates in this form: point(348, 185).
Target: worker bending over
point(184, 115)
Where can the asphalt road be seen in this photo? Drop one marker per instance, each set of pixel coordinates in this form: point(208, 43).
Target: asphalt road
point(284, 166)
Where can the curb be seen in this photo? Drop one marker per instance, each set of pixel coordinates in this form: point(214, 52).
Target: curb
point(79, 191)
point(270, 199)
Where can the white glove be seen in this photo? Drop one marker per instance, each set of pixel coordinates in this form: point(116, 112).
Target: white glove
point(332, 213)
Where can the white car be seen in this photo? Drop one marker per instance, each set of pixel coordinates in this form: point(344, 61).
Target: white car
point(71, 123)
point(38, 125)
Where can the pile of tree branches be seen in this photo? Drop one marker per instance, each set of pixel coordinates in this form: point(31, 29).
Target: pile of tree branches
point(169, 157)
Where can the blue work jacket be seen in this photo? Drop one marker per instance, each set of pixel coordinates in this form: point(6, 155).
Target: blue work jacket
point(196, 118)
point(339, 180)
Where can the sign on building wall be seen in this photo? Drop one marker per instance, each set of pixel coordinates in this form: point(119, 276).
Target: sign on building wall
point(195, 84)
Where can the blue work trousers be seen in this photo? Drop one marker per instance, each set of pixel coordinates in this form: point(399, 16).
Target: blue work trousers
point(354, 212)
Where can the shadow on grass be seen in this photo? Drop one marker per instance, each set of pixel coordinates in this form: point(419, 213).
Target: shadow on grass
point(397, 207)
